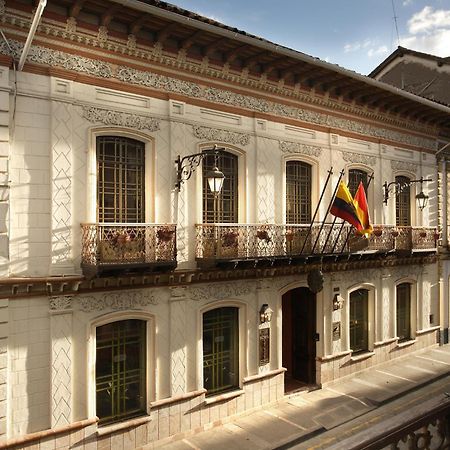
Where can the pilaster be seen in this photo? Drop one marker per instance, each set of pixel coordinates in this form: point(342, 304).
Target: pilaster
point(4, 332)
point(4, 170)
point(61, 360)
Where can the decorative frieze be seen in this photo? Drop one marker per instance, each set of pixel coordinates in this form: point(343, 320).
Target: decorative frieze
point(118, 118)
point(403, 165)
point(61, 303)
point(117, 301)
point(298, 148)
point(220, 291)
point(125, 74)
point(217, 134)
point(358, 158)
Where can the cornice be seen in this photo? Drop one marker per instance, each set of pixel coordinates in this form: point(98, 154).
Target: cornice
point(122, 48)
point(56, 58)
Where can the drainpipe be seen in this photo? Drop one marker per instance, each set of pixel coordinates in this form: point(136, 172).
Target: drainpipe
point(34, 25)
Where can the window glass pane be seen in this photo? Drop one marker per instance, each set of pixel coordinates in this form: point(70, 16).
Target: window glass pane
point(298, 192)
point(355, 176)
point(227, 201)
point(220, 350)
point(403, 203)
point(359, 315)
point(120, 180)
point(120, 370)
point(404, 311)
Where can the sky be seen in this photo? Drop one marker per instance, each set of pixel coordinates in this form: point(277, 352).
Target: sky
point(356, 34)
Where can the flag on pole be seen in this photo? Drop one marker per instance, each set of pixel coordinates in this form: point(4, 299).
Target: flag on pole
point(343, 206)
point(362, 210)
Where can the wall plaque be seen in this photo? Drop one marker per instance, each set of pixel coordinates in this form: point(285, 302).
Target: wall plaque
point(264, 346)
point(336, 331)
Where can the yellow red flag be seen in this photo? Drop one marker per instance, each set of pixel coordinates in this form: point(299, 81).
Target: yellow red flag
point(362, 210)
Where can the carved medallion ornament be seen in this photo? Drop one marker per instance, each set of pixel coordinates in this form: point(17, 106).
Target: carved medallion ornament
point(403, 165)
point(61, 303)
point(108, 117)
point(219, 135)
point(358, 158)
point(42, 55)
point(303, 149)
point(117, 301)
point(220, 291)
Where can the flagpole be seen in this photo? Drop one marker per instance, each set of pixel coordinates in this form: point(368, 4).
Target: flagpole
point(350, 229)
point(328, 210)
point(330, 172)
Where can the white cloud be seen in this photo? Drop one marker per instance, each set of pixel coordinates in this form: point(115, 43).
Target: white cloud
point(435, 44)
point(428, 19)
point(381, 50)
point(355, 46)
point(429, 32)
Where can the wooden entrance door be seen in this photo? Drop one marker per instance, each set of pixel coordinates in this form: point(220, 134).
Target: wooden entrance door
point(299, 333)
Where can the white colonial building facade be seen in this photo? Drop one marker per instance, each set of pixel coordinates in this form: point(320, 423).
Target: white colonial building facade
point(132, 311)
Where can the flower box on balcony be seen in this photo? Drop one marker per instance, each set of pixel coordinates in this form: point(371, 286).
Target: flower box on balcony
point(263, 235)
point(377, 232)
point(230, 239)
point(165, 234)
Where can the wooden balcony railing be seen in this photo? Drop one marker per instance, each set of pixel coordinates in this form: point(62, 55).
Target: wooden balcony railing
point(113, 246)
point(238, 241)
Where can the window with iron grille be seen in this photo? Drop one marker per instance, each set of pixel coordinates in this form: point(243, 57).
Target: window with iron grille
point(403, 203)
point(221, 350)
point(298, 192)
point(120, 370)
point(359, 320)
point(120, 180)
point(223, 209)
point(355, 176)
point(404, 311)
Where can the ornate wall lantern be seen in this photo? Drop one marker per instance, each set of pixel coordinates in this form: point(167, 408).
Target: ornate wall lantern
point(265, 313)
point(398, 186)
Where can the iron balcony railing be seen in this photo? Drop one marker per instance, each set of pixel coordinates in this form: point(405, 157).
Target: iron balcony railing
point(249, 241)
point(106, 245)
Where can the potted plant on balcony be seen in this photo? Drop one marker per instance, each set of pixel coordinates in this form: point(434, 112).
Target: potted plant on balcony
point(122, 238)
point(377, 232)
point(165, 234)
point(395, 233)
point(263, 235)
point(423, 234)
point(289, 235)
point(229, 238)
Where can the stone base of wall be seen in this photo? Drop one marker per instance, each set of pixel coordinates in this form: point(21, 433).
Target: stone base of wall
point(334, 367)
point(169, 419)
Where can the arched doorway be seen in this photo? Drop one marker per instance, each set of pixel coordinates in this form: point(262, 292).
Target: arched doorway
point(299, 338)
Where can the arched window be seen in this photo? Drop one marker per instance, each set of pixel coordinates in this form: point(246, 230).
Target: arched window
point(359, 320)
point(403, 311)
point(120, 369)
point(223, 209)
point(120, 180)
point(355, 176)
point(298, 192)
point(403, 202)
point(221, 350)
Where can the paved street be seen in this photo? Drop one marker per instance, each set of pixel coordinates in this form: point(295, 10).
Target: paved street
point(320, 419)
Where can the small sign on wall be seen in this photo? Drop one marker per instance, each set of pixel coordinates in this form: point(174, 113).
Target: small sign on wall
point(264, 346)
point(336, 331)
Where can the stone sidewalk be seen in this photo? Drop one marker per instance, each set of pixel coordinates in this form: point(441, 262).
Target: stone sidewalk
point(309, 415)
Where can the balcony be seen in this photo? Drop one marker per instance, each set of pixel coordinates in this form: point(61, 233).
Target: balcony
point(227, 242)
point(116, 248)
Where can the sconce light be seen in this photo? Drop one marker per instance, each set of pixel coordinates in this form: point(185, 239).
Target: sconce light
point(398, 186)
point(187, 165)
point(338, 302)
point(265, 314)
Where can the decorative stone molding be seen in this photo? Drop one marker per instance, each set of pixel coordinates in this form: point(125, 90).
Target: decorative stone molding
point(297, 147)
point(2, 7)
point(358, 158)
point(108, 117)
point(403, 165)
point(75, 63)
point(220, 291)
point(102, 34)
point(217, 134)
point(115, 301)
point(131, 43)
point(61, 303)
point(178, 292)
point(71, 25)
